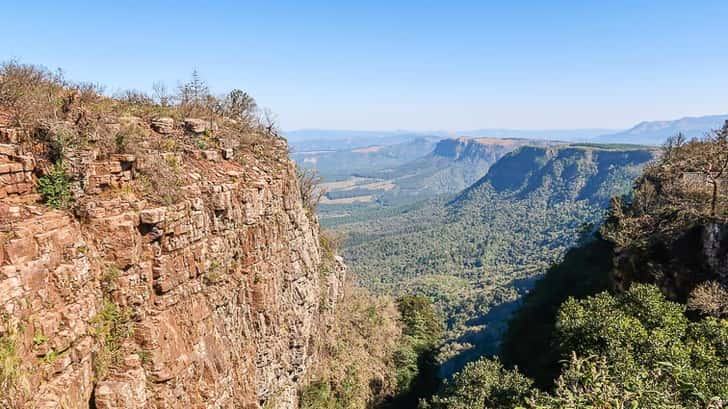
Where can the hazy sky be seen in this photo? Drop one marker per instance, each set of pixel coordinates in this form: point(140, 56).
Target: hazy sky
point(400, 64)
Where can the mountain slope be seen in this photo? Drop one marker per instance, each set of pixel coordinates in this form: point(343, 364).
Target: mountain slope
point(453, 165)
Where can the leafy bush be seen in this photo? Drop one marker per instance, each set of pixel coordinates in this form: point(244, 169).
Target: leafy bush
point(593, 383)
point(483, 384)
point(317, 395)
point(415, 359)
point(55, 187)
point(646, 344)
point(633, 350)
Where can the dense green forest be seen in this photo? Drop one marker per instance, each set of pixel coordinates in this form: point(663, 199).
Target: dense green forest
point(634, 317)
point(477, 253)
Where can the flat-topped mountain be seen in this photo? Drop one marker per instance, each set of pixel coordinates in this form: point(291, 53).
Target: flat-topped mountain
point(576, 171)
point(449, 166)
point(464, 148)
point(454, 164)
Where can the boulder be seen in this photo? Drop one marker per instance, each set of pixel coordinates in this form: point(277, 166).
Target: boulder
point(163, 125)
point(195, 125)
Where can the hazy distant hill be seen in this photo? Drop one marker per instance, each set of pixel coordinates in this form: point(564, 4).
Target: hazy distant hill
point(336, 165)
point(336, 140)
point(550, 134)
point(656, 132)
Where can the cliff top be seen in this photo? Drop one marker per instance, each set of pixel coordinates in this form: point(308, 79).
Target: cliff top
point(69, 139)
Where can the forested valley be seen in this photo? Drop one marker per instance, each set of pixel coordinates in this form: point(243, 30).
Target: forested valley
point(568, 276)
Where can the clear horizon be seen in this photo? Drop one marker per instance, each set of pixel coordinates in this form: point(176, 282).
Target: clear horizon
point(407, 66)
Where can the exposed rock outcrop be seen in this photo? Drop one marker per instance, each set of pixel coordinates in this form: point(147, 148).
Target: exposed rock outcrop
point(697, 255)
point(213, 301)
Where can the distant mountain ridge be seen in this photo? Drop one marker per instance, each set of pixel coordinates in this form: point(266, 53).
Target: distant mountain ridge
point(337, 164)
point(646, 132)
point(573, 135)
point(329, 139)
point(657, 132)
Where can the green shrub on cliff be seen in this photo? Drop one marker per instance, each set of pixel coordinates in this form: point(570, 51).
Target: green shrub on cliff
point(55, 187)
point(9, 363)
point(647, 344)
point(112, 325)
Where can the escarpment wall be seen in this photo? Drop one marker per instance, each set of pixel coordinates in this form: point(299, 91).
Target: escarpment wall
point(216, 300)
point(696, 255)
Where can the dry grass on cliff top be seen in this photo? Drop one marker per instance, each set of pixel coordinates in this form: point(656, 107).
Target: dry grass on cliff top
point(62, 115)
point(56, 120)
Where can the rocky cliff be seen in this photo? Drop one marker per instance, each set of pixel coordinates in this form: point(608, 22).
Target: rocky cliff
point(213, 299)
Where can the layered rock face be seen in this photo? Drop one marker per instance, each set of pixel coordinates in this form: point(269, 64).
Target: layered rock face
point(214, 301)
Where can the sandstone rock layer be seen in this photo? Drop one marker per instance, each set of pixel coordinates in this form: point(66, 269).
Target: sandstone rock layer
point(220, 294)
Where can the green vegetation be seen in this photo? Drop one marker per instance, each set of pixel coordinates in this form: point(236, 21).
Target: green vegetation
point(631, 350)
point(355, 366)
point(530, 335)
point(482, 384)
point(648, 345)
point(55, 186)
point(377, 354)
point(476, 254)
point(415, 359)
point(9, 363)
point(111, 327)
point(51, 357)
point(633, 347)
point(39, 338)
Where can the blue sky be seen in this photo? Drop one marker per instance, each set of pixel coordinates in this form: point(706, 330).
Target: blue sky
point(400, 65)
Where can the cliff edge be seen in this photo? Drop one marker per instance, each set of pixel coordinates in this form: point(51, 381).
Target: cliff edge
point(183, 274)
